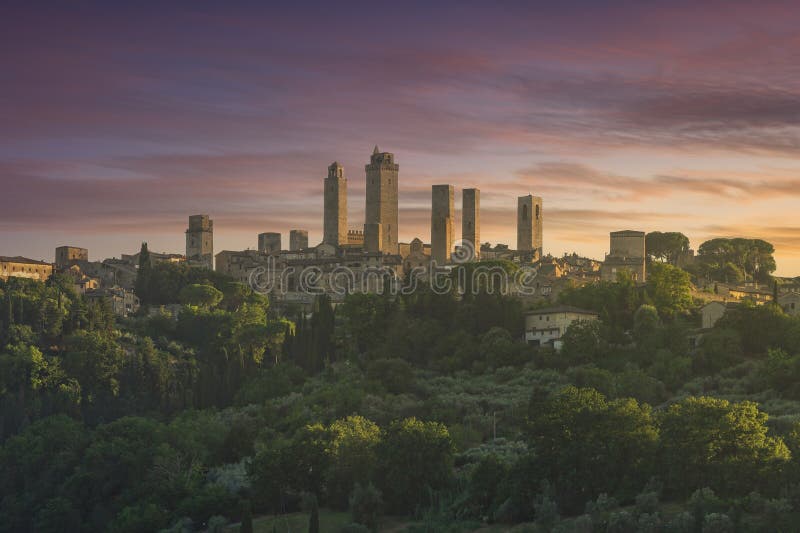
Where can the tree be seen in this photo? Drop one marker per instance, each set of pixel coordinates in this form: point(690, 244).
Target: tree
point(670, 289)
point(709, 441)
point(366, 505)
point(415, 456)
point(247, 517)
point(200, 295)
point(721, 258)
point(352, 451)
point(587, 445)
point(666, 247)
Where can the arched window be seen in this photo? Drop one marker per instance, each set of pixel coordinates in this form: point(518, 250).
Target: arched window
point(537, 211)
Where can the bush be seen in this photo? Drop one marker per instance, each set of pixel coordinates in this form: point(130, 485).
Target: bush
point(366, 505)
point(717, 523)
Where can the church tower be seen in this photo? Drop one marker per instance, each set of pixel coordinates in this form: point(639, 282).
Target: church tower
point(380, 221)
point(335, 218)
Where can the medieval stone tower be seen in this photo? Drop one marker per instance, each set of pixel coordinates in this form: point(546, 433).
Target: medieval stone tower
point(269, 242)
point(200, 240)
point(335, 218)
point(298, 240)
point(442, 222)
point(529, 223)
point(380, 221)
point(471, 219)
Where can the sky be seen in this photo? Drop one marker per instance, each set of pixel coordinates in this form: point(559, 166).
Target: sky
point(119, 120)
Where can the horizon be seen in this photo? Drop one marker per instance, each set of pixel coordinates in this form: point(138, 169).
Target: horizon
point(119, 123)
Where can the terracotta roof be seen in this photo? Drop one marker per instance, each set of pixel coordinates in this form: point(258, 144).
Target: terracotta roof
point(20, 259)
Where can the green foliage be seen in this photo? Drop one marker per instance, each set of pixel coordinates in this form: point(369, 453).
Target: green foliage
point(366, 505)
point(415, 456)
point(728, 260)
point(669, 288)
point(724, 445)
point(200, 295)
point(666, 247)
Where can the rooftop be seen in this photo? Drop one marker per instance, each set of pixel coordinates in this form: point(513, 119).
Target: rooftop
point(561, 309)
point(20, 259)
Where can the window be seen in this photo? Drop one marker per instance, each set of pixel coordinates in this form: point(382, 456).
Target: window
point(537, 211)
point(524, 212)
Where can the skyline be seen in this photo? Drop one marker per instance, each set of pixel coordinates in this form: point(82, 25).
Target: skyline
point(119, 123)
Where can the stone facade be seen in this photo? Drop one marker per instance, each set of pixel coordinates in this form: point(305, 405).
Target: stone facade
point(626, 254)
point(298, 239)
point(790, 303)
point(66, 256)
point(547, 326)
point(200, 241)
point(529, 224)
point(442, 222)
point(22, 267)
point(381, 216)
point(335, 210)
point(471, 219)
point(269, 242)
point(355, 237)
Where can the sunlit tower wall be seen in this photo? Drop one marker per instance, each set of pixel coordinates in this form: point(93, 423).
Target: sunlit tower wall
point(442, 220)
point(529, 223)
point(381, 216)
point(471, 219)
point(335, 217)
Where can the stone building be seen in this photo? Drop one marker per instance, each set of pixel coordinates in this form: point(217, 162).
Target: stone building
point(22, 267)
point(442, 222)
point(335, 209)
point(546, 326)
point(200, 241)
point(122, 302)
point(298, 239)
point(381, 215)
point(529, 224)
point(626, 254)
point(355, 237)
point(67, 256)
point(471, 220)
point(269, 243)
point(790, 303)
point(417, 256)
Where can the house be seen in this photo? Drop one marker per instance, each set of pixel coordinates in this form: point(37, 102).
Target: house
point(790, 303)
point(22, 267)
point(122, 302)
point(712, 312)
point(546, 326)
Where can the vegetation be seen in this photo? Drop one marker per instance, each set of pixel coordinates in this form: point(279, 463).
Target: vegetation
point(427, 406)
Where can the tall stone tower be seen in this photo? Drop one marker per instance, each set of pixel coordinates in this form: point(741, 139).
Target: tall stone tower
point(471, 219)
point(335, 219)
point(529, 223)
point(380, 221)
point(442, 221)
point(200, 241)
point(269, 242)
point(298, 239)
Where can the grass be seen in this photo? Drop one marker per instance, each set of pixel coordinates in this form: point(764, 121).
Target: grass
point(329, 522)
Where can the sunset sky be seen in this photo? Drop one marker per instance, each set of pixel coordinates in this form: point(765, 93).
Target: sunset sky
point(117, 122)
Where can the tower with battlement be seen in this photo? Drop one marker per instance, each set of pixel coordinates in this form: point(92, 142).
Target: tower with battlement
point(200, 241)
point(529, 224)
point(380, 220)
point(442, 222)
point(335, 214)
